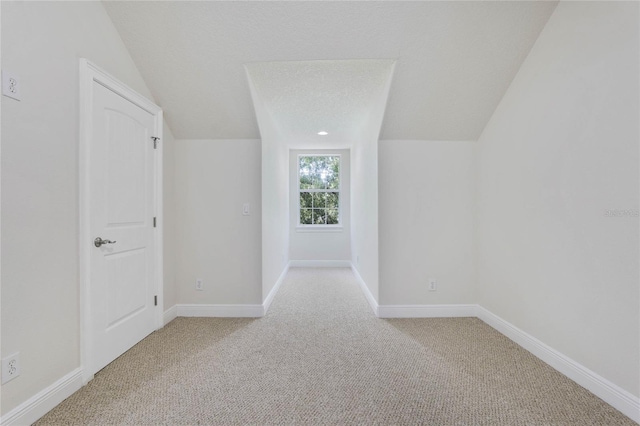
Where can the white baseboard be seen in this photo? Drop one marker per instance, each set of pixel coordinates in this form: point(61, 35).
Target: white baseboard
point(223, 311)
point(267, 301)
point(611, 393)
point(44, 401)
point(426, 311)
point(367, 293)
point(320, 264)
point(170, 314)
point(37, 406)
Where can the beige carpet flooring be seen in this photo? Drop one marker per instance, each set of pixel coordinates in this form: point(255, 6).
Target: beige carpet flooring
point(320, 357)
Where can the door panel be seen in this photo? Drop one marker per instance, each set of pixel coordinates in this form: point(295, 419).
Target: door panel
point(126, 285)
point(126, 169)
point(121, 210)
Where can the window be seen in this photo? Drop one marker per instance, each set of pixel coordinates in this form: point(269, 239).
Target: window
point(319, 189)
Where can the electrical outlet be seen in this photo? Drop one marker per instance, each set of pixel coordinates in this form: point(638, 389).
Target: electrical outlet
point(199, 284)
point(10, 85)
point(433, 285)
point(10, 367)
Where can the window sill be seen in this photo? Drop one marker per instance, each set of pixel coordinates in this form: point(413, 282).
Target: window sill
point(319, 228)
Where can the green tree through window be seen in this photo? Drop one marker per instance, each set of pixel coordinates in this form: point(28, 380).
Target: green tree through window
point(319, 187)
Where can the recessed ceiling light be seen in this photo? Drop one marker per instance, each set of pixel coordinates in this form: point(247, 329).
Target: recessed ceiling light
point(323, 133)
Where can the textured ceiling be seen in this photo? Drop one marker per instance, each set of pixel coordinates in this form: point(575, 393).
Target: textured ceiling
point(454, 60)
point(305, 97)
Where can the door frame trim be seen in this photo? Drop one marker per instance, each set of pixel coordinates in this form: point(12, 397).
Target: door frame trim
point(90, 73)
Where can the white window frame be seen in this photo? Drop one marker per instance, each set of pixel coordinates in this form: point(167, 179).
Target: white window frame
point(315, 226)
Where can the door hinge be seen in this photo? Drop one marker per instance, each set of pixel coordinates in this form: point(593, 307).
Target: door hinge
point(154, 222)
point(155, 140)
point(155, 300)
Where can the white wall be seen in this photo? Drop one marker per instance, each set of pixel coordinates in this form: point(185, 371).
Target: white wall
point(426, 204)
point(560, 150)
point(317, 244)
point(275, 196)
point(41, 43)
point(215, 241)
point(364, 194)
point(275, 210)
point(169, 213)
point(364, 211)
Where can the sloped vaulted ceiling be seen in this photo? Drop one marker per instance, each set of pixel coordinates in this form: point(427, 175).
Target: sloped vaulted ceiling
point(453, 60)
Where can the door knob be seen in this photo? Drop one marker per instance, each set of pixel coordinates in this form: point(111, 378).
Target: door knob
point(99, 241)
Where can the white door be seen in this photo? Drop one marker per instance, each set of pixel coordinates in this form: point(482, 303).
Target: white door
point(121, 214)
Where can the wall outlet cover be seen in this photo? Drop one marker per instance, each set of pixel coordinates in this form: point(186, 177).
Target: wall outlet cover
point(10, 85)
point(433, 285)
point(10, 367)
